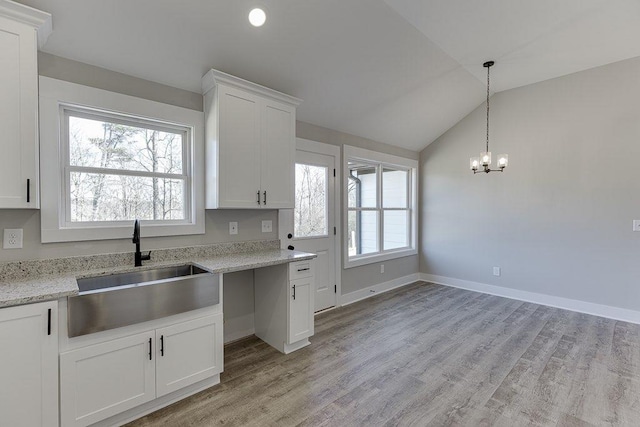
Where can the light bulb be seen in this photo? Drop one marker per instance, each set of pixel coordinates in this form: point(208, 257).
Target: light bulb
point(257, 17)
point(474, 163)
point(486, 158)
point(503, 160)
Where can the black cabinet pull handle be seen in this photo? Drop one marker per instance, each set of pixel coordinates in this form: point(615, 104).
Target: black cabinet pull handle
point(264, 202)
point(303, 269)
point(28, 190)
point(49, 322)
point(150, 356)
point(290, 247)
point(294, 291)
point(161, 345)
point(258, 194)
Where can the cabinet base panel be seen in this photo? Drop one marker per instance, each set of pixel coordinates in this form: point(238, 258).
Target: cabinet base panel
point(288, 348)
point(159, 403)
point(282, 346)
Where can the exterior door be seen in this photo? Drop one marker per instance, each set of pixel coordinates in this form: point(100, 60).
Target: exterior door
point(312, 222)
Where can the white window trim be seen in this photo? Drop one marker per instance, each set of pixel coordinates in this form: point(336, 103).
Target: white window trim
point(56, 95)
point(365, 155)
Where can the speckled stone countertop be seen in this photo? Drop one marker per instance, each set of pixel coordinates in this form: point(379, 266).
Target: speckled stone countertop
point(26, 282)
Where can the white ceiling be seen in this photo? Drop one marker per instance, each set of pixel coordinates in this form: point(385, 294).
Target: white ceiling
point(396, 71)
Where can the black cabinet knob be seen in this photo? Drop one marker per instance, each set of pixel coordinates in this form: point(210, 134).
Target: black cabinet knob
point(289, 235)
point(290, 247)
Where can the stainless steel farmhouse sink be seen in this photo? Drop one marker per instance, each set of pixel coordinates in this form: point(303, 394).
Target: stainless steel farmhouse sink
point(116, 300)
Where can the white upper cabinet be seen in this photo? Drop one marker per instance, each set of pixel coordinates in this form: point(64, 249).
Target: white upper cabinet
point(250, 144)
point(22, 30)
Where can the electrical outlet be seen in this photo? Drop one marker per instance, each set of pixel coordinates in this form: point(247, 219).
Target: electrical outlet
point(496, 271)
point(12, 238)
point(636, 225)
point(233, 228)
point(381, 268)
point(267, 226)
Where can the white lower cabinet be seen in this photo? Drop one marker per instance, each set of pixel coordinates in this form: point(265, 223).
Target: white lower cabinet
point(105, 379)
point(284, 297)
point(301, 309)
point(29, 365)
point(188, 352)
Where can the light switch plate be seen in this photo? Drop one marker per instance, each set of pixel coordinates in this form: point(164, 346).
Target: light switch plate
point(267, 226)
point(496, 271)
point(233, 228)
point(636, 225)
point(12, 238)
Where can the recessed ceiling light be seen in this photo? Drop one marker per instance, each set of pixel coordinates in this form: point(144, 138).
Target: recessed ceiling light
point(257, 17)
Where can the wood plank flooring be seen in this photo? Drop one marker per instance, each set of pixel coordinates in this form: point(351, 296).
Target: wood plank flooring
point(429, 355)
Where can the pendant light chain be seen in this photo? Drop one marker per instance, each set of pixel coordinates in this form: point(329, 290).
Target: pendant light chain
point(488, 68)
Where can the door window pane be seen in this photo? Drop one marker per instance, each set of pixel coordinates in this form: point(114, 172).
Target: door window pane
point(362, 185)
point(363, 232)
point(396, 226)
point(394, 188)
point(311, 204)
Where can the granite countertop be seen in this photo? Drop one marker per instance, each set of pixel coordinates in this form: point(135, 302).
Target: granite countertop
point(50, 285)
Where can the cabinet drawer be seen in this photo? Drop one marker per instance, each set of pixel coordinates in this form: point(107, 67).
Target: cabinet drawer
point(300, 269)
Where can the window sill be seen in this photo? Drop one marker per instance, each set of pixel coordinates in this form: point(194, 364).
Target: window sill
point(77, 234)
point(374, 258)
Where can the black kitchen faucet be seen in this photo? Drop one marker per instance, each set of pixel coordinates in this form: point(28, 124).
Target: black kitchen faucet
point(136, 239)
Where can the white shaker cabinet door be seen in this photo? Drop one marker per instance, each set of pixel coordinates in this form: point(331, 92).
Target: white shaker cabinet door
point(29, 365)
point(239, 149)
point(188, 352)
point(105, 379)
point(18, 115)
point(301, 309)
point(278, 155)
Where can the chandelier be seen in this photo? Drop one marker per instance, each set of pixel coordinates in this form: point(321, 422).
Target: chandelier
point(485, 157)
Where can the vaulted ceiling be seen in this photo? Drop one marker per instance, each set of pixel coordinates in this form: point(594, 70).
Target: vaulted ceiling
point(395, 71)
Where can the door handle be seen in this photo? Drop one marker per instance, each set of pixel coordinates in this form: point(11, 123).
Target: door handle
point(264, 202)
point(150, 355)
point(161, 345)
point(258, 194)
point(294, 291)
point(28, 190)
point(49, 322)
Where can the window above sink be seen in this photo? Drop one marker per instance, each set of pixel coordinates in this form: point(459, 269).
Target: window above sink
point(114, 158)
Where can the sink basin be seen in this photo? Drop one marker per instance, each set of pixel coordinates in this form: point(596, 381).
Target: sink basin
point(112, 301)
point(136, 278)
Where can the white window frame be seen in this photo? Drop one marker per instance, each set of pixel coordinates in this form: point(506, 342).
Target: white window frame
point(57, 99)
point(380, 160)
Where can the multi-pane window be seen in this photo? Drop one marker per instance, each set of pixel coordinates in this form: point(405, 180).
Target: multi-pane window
point(120, 168)
point(380, 199)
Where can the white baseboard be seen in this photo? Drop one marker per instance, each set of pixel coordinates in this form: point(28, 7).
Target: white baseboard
point(365, 293)
point(238, 327)
point(601, 310)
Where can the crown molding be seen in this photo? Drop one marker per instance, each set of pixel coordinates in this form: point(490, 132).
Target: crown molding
point(41, 21)
point(215, 77)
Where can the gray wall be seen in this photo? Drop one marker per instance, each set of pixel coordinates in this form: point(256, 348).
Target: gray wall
point(558, 220)
point(88, 75)
point(366, 276)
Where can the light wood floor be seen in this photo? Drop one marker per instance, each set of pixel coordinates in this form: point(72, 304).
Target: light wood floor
point(429, 355)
